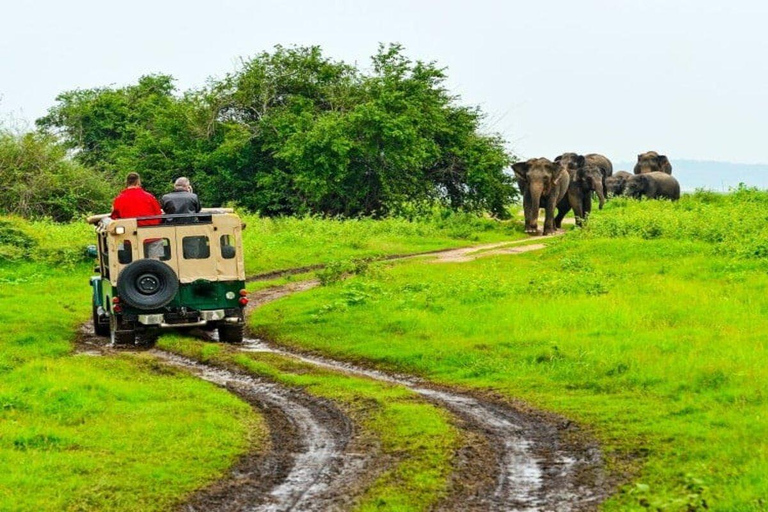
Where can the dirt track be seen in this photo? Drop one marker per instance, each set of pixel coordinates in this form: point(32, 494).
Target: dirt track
point(530, 460)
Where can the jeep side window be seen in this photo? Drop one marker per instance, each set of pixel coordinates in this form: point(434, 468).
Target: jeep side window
point(227, 249)
point(124, 252)
point(157, 249)
point(196, 247)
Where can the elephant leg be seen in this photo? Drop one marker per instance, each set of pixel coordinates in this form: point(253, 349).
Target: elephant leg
point(574, 198)
point(587, 204)
point(563, 207)
point(531, 217)
point(549, 219)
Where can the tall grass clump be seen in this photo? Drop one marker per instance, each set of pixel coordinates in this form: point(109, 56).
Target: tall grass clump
point(734, 224)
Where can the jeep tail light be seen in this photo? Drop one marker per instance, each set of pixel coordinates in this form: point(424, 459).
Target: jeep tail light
point(117, 308)
point(243, 301)
point(243, 293)
point(115, 300)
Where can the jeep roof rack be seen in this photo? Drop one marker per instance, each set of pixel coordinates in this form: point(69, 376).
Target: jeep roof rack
point(203, 216)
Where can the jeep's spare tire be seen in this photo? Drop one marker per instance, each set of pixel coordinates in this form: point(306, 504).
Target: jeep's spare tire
point(147, 284)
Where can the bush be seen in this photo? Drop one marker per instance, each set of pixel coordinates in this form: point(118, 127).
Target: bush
point(38, 180)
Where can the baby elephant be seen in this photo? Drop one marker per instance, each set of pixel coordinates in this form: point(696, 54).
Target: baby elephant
point(614, 185)
point(653, 185)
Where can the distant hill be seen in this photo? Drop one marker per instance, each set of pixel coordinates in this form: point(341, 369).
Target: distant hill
point(717, 176)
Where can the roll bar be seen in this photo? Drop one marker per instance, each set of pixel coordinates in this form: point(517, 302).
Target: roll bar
point(203, 216)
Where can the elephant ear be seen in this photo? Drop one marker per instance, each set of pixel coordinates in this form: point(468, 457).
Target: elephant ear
point(521, 170)
point(557, 159)
point(580, 160)
point(663, 161)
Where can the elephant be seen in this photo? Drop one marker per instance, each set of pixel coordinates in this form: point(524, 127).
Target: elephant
point(653, 185)
point(585, 178)
point(602, 162)
point(614, 185)
point(651, 161)
point(543, 184)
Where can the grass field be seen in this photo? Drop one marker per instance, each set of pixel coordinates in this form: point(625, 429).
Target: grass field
point(79, 432)
point(276, 244)
point(648, 327)
point(84, 433)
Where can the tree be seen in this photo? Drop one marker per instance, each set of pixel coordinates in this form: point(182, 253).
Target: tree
point(295, 132)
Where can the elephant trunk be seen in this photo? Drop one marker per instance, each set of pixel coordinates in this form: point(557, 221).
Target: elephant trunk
point(598, 185)
point(535, 191)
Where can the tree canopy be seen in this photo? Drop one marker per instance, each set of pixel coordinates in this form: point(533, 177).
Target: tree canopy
point(294, 132)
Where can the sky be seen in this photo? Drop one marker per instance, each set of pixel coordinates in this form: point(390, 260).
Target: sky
point(685, 78)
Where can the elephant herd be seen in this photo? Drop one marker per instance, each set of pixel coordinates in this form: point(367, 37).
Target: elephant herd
point(568, 183)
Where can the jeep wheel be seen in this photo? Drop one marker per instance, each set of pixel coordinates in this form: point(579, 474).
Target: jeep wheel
point(99, 327)
point(121, 338)
point(231, 333)
point(146, 339)
point(147, 284)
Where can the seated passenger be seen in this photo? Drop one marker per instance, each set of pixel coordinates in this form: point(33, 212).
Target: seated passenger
point(134, 202)
point(182, 199)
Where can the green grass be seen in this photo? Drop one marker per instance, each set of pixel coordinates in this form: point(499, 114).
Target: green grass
point(79, 432)
point(648, 327)
point(276, 244)
point(416, 437)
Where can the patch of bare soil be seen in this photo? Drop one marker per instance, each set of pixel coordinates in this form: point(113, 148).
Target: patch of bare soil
point(268, 276)
point(463, 255)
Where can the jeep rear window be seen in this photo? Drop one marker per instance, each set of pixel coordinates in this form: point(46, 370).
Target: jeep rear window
point(124, 252)
point(157, 249)
point(196, 247)
point(227, 249)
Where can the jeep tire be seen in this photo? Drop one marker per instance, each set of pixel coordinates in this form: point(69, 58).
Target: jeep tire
point(99, 327)
point(231, 333)
point(147, 284)
point(121, 338)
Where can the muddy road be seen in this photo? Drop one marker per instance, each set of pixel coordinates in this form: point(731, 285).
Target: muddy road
point(531, 460)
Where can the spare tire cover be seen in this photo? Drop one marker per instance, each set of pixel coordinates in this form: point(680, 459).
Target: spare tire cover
point(147, 284)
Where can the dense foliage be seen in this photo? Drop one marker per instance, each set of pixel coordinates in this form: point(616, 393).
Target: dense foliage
point(295, 132)
point(37, 180)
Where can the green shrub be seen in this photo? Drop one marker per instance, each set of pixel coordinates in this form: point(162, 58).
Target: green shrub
point(39, 180)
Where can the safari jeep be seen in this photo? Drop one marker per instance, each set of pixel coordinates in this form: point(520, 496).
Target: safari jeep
point(169, 271)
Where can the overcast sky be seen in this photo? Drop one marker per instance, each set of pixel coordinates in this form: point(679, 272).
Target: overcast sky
point(687, 78)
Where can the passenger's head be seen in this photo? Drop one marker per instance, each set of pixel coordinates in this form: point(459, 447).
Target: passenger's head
point(133, 180)
point(182, 184)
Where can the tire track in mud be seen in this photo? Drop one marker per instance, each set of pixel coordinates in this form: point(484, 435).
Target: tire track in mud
point(542, 461)
point(312, 461)
point(311, 453)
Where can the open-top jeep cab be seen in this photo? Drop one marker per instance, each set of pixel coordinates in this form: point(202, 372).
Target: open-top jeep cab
point(169, 271)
